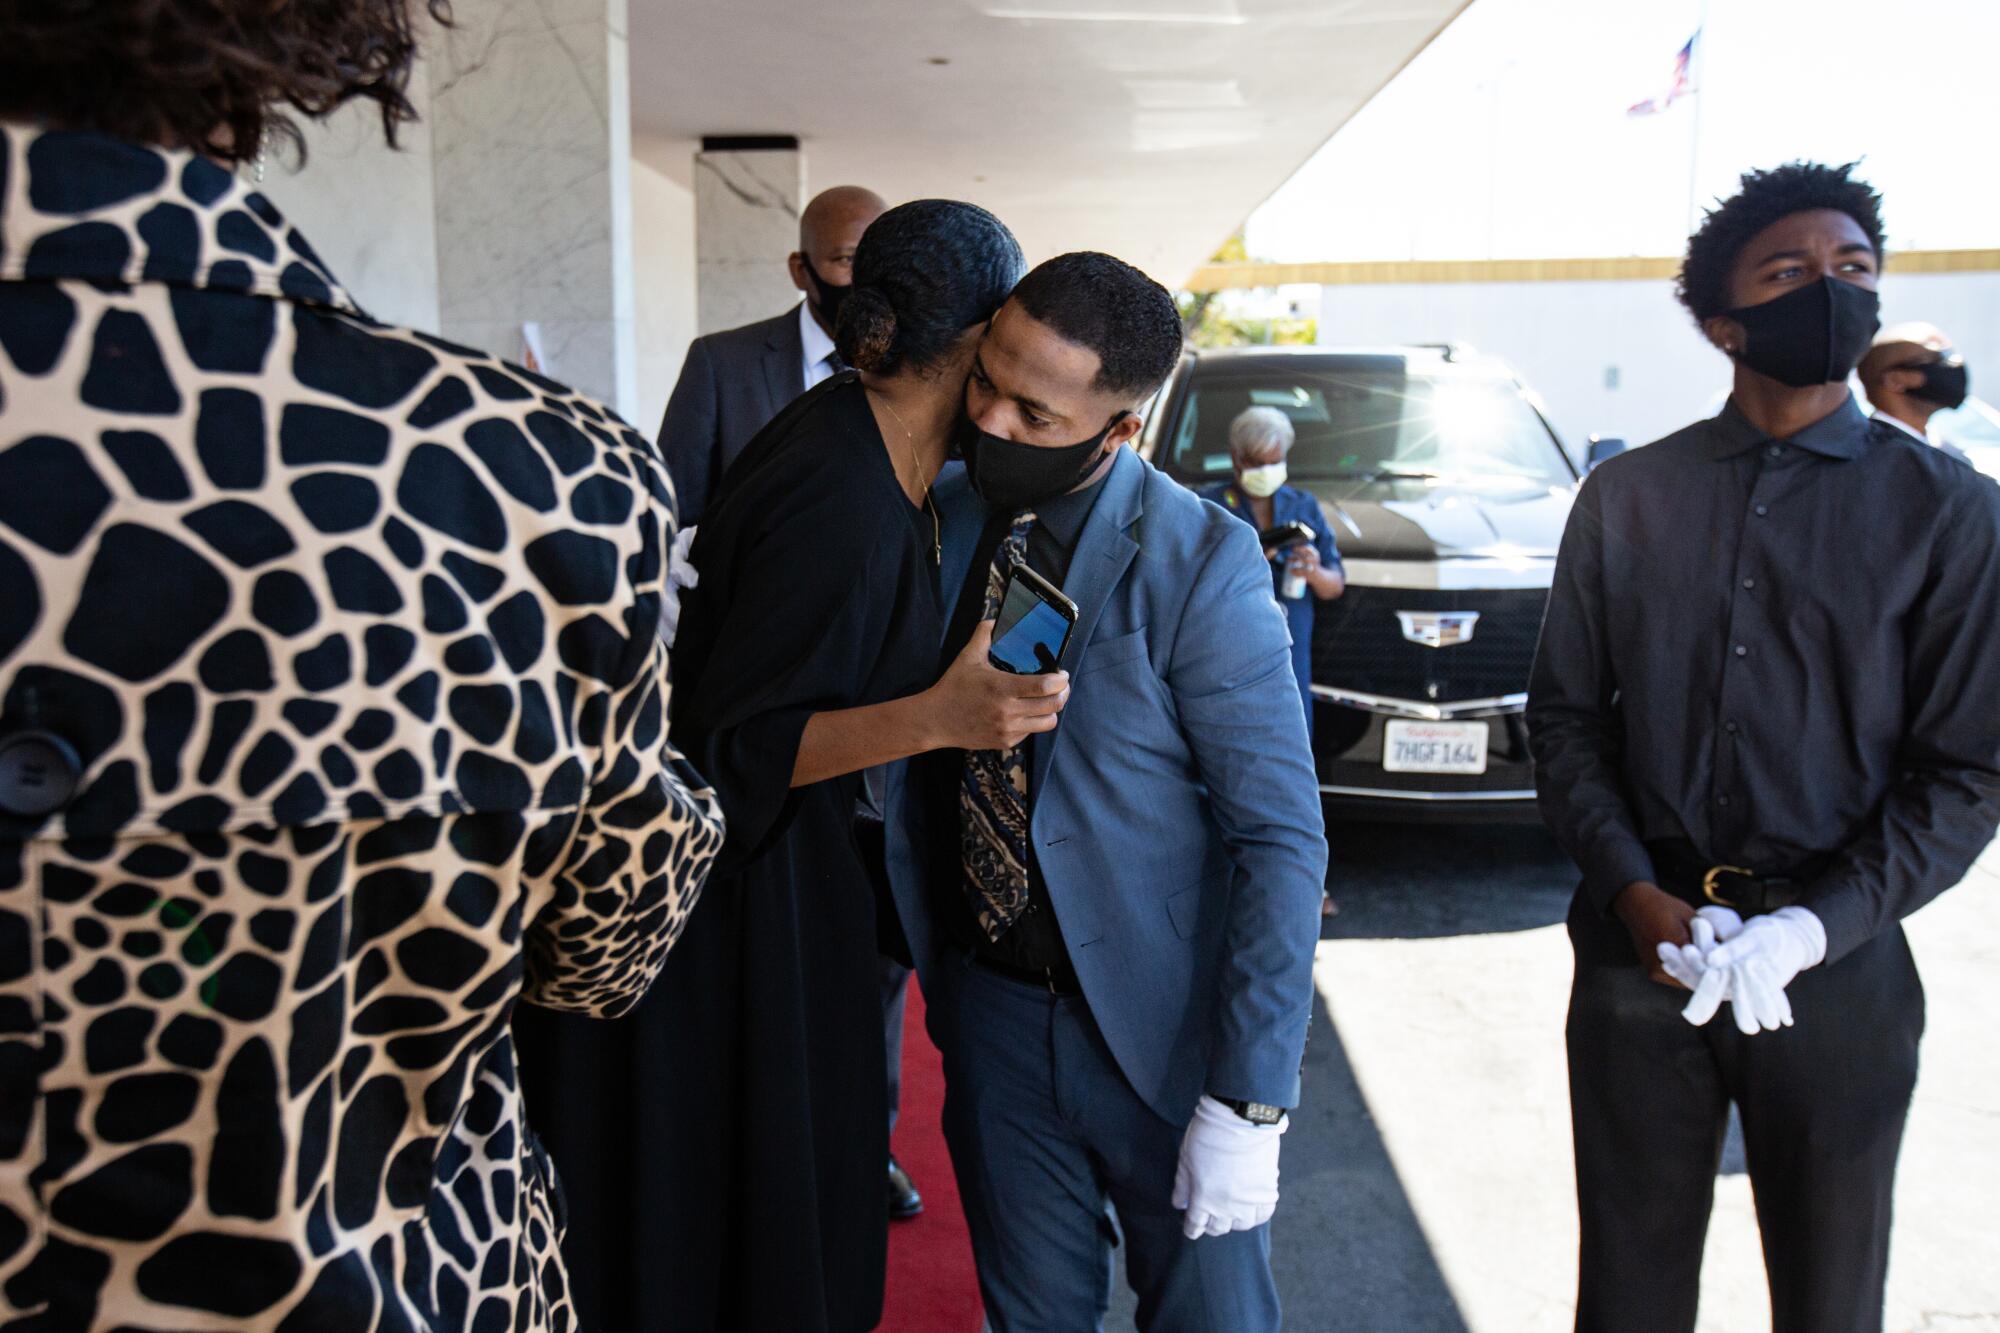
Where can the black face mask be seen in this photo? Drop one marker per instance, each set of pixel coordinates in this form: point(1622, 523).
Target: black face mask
point(826, 298)
point(1815, 335)
point(1945, 382)
point(1011, 475)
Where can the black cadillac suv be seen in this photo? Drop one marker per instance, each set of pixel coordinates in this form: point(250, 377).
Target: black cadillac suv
point(1446, 490)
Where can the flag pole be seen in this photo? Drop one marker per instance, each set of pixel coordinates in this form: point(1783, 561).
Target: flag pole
point(1698, 76)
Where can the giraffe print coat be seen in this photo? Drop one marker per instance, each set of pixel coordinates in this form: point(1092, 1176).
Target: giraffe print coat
point(332, 722)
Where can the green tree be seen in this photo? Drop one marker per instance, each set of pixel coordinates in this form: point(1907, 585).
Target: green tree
point(1207, 323)
point(1195, 306)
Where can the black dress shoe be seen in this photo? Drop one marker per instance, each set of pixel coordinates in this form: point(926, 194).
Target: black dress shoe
point(904, 1201)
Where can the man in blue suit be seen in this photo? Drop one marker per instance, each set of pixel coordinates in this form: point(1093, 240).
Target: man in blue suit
point(1114, 923)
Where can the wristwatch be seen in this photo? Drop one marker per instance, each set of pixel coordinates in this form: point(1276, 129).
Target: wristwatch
point(1257, 1113)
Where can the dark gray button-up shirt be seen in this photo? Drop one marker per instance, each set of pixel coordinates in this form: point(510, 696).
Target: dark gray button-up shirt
point(1777, 650)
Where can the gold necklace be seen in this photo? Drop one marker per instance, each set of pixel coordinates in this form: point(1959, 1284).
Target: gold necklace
point(930, 502)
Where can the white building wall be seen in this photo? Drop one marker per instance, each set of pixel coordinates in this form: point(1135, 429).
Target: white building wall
point(1623, 358)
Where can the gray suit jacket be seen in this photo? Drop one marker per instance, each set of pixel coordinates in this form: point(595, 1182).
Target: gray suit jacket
point(731, 385)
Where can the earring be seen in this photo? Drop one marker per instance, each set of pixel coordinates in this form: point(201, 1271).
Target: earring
point(263, 152)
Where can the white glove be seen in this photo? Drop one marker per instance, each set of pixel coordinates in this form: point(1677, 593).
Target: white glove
point(1688, 963)
point(1726, 924)
point(1228, 1174)
point(1753, 969)
point(681, 573)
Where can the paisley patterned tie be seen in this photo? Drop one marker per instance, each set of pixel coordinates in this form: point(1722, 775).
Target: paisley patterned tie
point(993, 789)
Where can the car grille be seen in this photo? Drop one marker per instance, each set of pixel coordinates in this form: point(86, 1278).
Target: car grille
point(1358, 643)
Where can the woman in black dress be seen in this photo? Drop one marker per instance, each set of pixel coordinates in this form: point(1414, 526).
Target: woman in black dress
point(723, 1148)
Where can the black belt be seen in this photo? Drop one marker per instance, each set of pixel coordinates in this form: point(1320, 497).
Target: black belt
point(1688, 875)
point(1055, 980)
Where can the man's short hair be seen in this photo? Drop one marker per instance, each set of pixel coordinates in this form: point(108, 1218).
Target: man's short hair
point(1766, 197)
point(1106, 305)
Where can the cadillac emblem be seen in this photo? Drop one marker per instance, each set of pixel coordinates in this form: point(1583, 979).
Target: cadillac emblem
point(1438, 629)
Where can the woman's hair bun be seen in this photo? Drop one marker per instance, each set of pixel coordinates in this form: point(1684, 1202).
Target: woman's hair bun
point(925, 274)
point(866, 332)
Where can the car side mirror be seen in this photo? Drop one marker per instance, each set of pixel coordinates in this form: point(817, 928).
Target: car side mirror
point(1602, 448)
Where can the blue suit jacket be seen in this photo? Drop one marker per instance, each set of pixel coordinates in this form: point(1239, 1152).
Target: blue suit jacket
point(1176, 811)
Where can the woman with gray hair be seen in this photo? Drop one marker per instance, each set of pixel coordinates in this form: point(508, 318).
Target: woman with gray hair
point(1302, 572)
point(1260, 441)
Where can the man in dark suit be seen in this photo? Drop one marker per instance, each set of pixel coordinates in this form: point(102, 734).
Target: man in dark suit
point(734, 382)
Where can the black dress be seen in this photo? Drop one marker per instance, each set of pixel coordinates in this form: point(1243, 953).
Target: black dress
point(723, 1147)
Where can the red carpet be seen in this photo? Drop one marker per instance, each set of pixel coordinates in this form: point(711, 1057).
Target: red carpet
point(932, 1286)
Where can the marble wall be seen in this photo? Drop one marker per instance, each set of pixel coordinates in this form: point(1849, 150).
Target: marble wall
point(747, 208)
point(530, 133)
point(386, 254)
point(663, 271)
point(521, 196)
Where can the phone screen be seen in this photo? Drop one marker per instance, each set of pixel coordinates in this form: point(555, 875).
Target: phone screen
point(1029, 634)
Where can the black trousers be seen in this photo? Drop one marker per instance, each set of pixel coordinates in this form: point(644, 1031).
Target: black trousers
point(1823, 1106)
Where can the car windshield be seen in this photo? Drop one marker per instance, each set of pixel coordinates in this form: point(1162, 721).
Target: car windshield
point(1374, 422)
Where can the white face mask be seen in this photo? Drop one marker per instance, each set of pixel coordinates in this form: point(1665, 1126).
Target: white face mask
point(1262, 482)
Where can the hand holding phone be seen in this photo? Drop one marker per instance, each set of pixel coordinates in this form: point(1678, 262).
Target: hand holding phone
point(978, 706)
point(1033, 626)
point(1006, 684)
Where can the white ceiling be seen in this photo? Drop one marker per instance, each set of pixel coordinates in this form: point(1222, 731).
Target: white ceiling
point(1147, 128)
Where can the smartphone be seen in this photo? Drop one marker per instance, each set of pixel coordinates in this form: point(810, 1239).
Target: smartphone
point(1284, 535)
point(1033, 626)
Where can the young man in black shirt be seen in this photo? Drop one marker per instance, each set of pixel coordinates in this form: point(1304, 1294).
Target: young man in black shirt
point(1766, 718)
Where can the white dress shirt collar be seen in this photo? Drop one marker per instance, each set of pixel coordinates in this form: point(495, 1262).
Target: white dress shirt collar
point(817, 347)
point(1898, 423)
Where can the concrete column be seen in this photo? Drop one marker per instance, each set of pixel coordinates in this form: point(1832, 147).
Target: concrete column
point(531, 153)
point(748, 194)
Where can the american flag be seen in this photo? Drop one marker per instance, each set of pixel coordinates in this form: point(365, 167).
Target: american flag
point(1680, 86)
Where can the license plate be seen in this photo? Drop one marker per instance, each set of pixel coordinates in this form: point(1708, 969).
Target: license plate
point(1434, 747)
